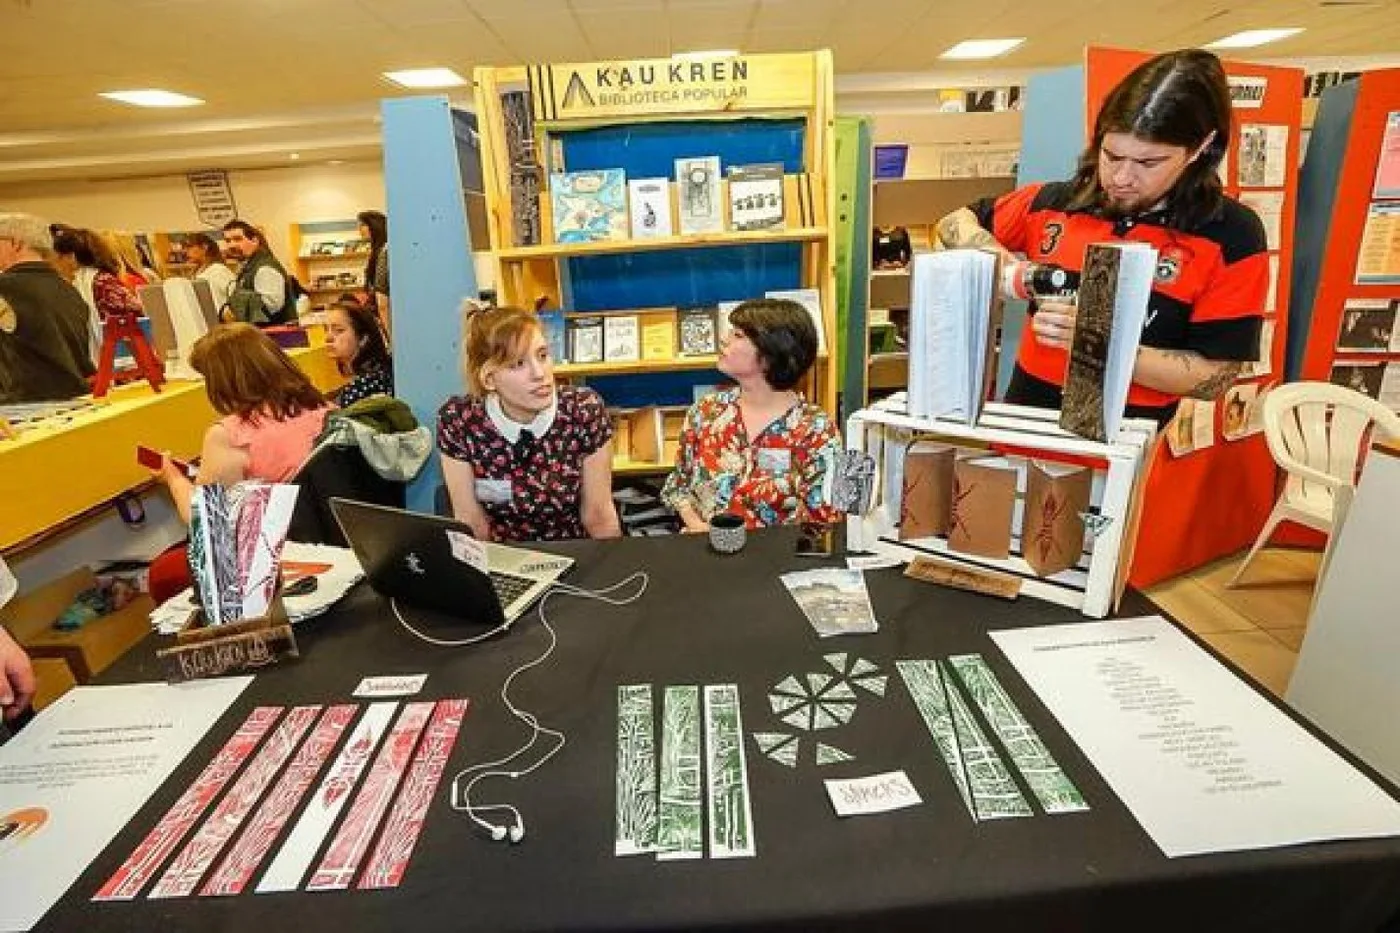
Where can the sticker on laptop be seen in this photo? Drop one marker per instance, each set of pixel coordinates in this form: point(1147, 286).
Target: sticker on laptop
point(468, 550)
point(544, 566)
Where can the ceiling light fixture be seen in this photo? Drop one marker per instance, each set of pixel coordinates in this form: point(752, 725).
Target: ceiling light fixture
point(1252, 37)
point(708, 53)
point(982, 48)
point(294, 156)
point(152, 97)
point(423, 78)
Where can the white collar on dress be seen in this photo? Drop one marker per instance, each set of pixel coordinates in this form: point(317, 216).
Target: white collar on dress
point(511, 429)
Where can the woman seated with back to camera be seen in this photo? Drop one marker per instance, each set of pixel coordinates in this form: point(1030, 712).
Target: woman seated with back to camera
point(757, 451)
point(355, 341)
point(524, 459)
point(271, 413)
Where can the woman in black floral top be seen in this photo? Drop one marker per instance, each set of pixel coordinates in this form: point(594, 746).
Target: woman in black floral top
point(524, 459)
point(356, 343)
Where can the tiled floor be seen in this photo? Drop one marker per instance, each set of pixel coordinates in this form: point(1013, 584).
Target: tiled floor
point(1258, 625)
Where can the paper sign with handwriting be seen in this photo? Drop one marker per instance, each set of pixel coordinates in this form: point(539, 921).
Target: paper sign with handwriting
point(401, 685)
point(468, 550)
point(878, 793)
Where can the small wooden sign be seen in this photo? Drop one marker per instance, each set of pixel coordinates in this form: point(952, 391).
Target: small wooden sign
point(238, 647)
point(963, 577)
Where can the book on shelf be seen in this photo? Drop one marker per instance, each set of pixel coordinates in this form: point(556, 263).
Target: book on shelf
point(698, 332)
point(659, 338)
point(525, 171)
point(1114, 289)
point(585, 339)
point(555, 329)
point(698, 195)
point(649, 201)
point(952, 333)
point(811, 300)
point(621, 338)
point(756, 197)
point(589, 206)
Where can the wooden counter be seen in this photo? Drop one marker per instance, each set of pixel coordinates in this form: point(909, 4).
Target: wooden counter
point(54, 473)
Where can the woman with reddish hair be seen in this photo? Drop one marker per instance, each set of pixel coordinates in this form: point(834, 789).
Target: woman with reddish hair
point(271, 416)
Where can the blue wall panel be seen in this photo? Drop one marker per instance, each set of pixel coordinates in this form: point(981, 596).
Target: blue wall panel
point(683, 277)
point(1052, 136)
point(430, 255)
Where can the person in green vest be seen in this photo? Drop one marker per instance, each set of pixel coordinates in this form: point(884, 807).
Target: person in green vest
point(262, 294)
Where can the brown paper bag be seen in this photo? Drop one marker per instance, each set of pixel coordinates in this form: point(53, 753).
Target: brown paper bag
point(1052, 529)
point(983, 502)
point(928, 482)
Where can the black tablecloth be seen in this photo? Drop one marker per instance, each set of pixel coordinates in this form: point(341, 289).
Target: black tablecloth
point(711, 619)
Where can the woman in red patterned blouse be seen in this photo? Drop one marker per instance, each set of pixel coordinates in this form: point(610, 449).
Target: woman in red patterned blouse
point(524, 459)
point(758, 451)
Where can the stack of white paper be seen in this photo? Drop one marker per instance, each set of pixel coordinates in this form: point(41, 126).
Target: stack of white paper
point(949, 326)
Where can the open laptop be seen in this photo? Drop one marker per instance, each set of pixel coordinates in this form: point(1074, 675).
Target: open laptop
point(421, 560)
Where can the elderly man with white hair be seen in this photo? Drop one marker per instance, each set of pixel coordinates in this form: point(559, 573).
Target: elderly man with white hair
point(44, 352)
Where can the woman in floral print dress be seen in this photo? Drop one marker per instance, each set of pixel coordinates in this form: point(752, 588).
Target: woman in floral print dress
point(524, 459)
point(758, 450)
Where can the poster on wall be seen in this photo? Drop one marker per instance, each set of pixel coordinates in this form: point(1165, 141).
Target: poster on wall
point(1388, 163)
point(1237, 411)
point(1378, 259)
point(213, 197)
point(1268, 205)
point(1365, 378)
point(1368, 324)
point(1263, 155)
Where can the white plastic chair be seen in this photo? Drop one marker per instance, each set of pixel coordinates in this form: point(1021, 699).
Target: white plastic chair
point(1315, 432)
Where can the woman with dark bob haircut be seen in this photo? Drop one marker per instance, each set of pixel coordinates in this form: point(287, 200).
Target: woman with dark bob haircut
point(757, 450)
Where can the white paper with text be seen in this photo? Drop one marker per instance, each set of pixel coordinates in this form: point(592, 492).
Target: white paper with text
point(81, 770)
point(1203, 761)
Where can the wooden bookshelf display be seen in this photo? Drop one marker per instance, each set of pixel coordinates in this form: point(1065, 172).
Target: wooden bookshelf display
point(328, 259)
point(678, 110)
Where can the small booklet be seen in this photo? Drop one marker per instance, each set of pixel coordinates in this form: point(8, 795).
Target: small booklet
point(621, 338)
point(756, 197)
point(952, 333)
point(1113, 293)
point(833, 599)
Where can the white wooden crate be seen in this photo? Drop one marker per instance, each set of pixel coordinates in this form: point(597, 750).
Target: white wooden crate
point(1094, 585)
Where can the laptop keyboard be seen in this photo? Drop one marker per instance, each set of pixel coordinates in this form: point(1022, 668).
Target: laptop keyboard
point(509, 587)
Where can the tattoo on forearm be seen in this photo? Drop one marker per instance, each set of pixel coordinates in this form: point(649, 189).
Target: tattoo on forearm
point(1210, 388)
point(1217, 376)
point(961, 230)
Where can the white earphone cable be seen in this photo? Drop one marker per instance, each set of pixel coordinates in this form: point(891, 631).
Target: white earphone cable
point(462, 793)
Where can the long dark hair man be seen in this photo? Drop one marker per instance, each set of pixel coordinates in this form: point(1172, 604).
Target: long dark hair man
point(1149, 174)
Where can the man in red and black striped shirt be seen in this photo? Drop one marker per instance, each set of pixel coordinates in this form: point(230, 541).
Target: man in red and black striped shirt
point(1149, 175)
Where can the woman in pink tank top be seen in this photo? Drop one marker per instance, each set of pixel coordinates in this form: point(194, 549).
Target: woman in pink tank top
point(271, 412)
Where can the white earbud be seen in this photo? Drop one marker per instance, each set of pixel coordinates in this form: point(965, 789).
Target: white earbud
point(468, 778)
